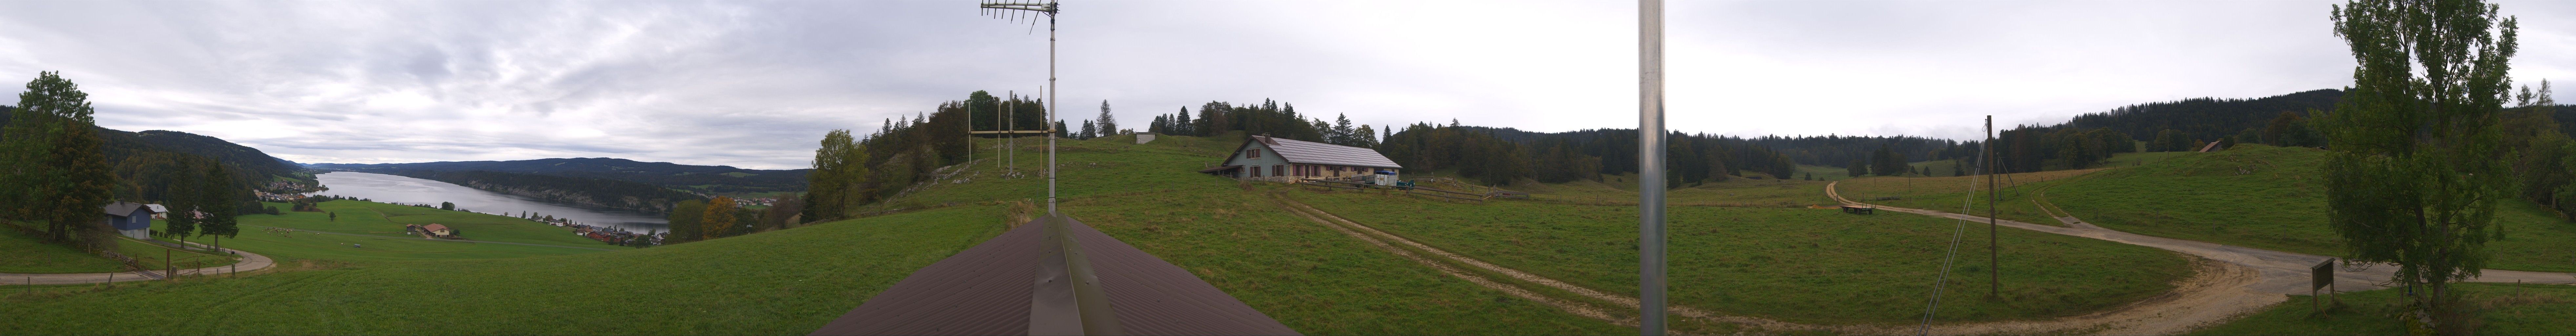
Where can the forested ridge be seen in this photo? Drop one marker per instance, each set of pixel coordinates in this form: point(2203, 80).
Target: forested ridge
point(576, 190)
point(147, 163)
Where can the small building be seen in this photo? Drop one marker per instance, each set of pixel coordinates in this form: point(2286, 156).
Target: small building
point(1282, 160)
point(130, 219)
point(441, 231)
point(1144, 137)
point(159, 211)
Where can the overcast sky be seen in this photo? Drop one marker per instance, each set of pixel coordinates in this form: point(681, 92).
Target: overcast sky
point(755, 84)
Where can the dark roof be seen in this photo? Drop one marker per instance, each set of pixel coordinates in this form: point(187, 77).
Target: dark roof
point(123, 208)
point(1323, 153)
point(990, 289)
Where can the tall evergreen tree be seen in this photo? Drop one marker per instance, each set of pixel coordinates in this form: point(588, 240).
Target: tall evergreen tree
point(1181, 123)
point(1858, 168)
point(1108, 124)
point(1089, 130)
point(221, 198)
point(2414, 171)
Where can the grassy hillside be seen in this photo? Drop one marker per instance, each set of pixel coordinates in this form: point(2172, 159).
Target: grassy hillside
point(2499, 309)
point(380, 237)
point(2272, 198)
point(1952, 193)
point(1793, 264)
point(791, 281)
point(783, 282)
point(30, 254)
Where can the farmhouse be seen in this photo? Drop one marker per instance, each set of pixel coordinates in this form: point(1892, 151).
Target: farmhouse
point(130, 219)
point(1281, 160)
point(159, 211)
point(434, 230)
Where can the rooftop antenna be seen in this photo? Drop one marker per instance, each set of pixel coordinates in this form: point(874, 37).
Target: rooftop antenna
point(1022, 9)
point(1071, 302)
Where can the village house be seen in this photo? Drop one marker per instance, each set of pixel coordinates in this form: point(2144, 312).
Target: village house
point(130, 219)
point(1266, 158)
point(433, 230)
point(159, 211)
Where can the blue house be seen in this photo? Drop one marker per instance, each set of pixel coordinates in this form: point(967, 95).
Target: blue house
point(130, 219)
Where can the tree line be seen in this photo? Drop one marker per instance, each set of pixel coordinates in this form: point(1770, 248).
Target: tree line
point(1501, 156)
point(696, 220)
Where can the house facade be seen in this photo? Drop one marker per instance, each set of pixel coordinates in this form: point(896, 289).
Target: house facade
point(1282, 160)
point(130, 219)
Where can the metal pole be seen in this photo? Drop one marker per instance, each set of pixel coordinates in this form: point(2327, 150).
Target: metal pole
point(1650, 167)
point(1012, 149)
point(1050, 122)
point(1994, 261)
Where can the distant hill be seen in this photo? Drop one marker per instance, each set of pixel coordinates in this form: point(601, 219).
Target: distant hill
point(2206, 118)
point(254, 167)
point(247, 159)
point(708, 179)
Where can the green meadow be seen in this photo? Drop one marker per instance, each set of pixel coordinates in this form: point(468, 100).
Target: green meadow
point(29, 254)
point(1791, 264)
point(1307, 276)
point(2272, 198)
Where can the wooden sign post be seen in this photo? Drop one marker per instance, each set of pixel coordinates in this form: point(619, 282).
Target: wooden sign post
point(2321, 276)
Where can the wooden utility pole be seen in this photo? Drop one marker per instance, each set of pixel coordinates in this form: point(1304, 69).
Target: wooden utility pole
point(1994, 251)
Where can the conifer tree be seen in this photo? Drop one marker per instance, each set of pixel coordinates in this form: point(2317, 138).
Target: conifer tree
point(1108, 124)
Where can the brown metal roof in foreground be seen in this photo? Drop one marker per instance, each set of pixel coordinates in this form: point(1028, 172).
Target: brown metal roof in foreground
point(1000, 286)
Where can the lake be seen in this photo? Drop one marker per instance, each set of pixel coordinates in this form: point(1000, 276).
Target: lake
point(406, 190)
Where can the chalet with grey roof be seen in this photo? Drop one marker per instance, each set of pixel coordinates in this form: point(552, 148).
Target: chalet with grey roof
point(1275, 159)
point(130, 219)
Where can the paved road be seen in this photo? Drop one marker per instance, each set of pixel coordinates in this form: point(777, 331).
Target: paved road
point(444, 240)
point(249, 262)
point(2283, 272)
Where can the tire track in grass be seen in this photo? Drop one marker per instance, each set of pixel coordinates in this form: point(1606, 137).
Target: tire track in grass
point(1374, 236)
point(1575, 308)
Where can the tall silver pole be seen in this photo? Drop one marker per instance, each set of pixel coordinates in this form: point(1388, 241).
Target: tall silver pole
point(1650, 167)
point(1050, 122)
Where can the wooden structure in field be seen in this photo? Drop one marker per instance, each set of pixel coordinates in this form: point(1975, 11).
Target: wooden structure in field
point(1859, 209)
point(1266, 158)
